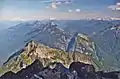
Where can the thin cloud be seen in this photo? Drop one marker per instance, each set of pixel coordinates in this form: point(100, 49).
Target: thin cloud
point(69, 10)
point(115, 7)
point(58, 3)
point(77, 10)
point(53, 5)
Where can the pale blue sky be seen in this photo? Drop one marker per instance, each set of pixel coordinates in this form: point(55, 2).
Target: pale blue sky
point(44, 9)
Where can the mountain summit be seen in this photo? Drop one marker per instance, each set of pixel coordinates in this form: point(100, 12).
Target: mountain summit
point(46, 55)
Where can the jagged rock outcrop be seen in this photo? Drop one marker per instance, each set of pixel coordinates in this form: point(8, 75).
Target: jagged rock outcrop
point(46, 55)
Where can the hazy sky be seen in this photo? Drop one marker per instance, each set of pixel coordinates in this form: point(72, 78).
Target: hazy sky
point(59, 9)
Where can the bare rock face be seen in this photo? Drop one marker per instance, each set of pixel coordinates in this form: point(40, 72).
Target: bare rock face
point(8, 75)
point(49, 74)
point(77, 70)
point(34, 68)
point(83, 70)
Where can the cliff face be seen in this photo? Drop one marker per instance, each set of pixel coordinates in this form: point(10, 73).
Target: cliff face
point(76, 70)
point(45, 54)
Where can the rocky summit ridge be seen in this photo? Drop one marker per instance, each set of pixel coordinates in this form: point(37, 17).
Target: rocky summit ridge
point(45, 54)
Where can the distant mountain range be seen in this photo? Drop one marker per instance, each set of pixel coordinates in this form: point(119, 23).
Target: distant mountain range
point(15, 37)
point(6, 24)
point(50, 34)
